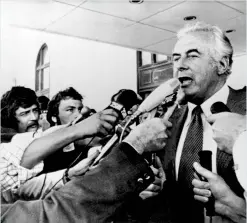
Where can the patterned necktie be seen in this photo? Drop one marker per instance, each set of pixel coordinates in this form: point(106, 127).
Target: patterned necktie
point(192, 145)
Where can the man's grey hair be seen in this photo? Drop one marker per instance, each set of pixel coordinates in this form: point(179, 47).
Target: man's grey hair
point(222, 48)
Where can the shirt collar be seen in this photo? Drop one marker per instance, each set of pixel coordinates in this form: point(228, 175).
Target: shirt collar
point(219, 96)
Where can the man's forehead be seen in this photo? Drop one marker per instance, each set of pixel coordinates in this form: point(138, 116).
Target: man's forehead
point(21, 109)
point(70, 102)
point(190, 41)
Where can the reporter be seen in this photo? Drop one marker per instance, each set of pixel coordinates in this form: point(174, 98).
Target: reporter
point(96, 196)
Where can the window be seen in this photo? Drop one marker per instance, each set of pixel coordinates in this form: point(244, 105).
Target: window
point(146, 58)
point(160, 57)
point(42, 78)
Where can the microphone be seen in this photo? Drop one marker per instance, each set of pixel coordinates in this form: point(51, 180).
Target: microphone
point(219, 107)
point(123, 101)
point(205, 157)
point(157, 96)
point(152, 101)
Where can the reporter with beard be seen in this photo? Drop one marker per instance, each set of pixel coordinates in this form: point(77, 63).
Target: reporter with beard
point(96, 196)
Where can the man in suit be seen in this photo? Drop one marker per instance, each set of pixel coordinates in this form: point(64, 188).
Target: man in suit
point(96, 196)
point(202, 60)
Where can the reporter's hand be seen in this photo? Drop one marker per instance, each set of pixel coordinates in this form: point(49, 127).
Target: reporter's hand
point(149, 136)
point(226, 128)
point(99, 124)
point(226, 202)
point(154, 189)
point(83, 166)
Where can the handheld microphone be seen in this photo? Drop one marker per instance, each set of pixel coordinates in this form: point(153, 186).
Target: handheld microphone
point(157, 96)
point(123, 101)
point(152, 101)
point(206, 162)
point(219, 107)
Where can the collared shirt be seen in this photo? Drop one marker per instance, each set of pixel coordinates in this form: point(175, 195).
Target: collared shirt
point(12, 175)
point(208, 142)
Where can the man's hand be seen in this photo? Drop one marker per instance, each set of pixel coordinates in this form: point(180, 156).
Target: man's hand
point(99, 124)
point(157, 186)
point(149, 136)
point(83, 166)
point(227, 203)
point(226, 129)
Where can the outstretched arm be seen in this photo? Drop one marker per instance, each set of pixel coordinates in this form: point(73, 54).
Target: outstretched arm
point(99, 124)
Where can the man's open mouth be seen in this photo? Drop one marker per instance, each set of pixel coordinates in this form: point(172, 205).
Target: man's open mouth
point(185, 81)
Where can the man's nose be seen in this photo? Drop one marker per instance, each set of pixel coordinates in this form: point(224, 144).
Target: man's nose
point(33, 115)
point(182, 68)
point(77, 112)
point(181, 65)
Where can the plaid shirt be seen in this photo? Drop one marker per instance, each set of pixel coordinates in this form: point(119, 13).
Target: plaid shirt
point(12, 175)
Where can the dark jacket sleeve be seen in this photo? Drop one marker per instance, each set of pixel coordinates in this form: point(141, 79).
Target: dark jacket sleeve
point(93, 197)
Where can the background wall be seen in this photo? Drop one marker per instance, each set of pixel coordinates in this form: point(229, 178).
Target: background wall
point(238, 78)
point(95, 69)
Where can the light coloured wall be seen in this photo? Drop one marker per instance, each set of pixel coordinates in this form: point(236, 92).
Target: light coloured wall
point(95, 69)
point(238, 77)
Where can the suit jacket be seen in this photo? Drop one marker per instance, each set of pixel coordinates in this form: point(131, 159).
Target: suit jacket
point(181, 204)
point(94, 197)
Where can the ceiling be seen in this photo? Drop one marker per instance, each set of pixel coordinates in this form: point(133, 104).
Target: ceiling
point(150, 26)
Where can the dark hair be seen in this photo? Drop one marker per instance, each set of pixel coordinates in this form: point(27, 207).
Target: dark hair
point(55, 102)
point(43, 102)
point(13, 99)
point(127, 98)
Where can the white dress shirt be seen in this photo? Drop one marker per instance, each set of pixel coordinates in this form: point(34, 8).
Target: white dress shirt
point(208, 142)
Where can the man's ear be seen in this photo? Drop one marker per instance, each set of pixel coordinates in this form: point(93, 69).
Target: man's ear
point(223, 65)
point(54, 119)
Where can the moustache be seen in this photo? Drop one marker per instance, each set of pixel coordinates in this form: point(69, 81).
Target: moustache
point(33, 124)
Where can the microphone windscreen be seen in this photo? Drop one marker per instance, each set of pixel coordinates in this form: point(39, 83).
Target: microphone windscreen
point(159, 94)
point(218, 107)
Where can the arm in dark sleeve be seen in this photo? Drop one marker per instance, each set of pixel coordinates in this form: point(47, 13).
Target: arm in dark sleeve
point(93, 197)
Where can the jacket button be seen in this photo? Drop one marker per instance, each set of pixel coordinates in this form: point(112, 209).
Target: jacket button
point(140, 180)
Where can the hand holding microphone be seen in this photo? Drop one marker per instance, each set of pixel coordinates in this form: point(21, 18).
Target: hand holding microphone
point(215, 186)
point(149, 136)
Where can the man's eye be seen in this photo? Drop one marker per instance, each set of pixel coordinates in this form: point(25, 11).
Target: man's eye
point(70, 109)
point(175, 59)
point(192, 56)
point(23, 114)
